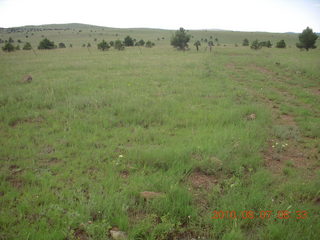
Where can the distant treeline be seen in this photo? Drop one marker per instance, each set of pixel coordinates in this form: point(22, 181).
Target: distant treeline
point(180, 40)
point(28, 29)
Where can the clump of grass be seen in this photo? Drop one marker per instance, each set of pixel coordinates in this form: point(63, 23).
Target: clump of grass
point(287, 171)
point(208, 165)
point(285, 132)
point(290, 164)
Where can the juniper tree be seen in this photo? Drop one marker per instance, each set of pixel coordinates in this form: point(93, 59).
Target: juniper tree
point(140, 43)
point(128, 41)
point(103, 45)
point(245, 42)
point(46, 44)
point(149, 44)
point(197, 44)
point(118, 45)
point(281, 44)
point(210, 44)
point(255, 45)
point(8, 47)
point(62, 45)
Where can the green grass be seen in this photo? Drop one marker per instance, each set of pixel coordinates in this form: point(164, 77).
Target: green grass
point(94, 129)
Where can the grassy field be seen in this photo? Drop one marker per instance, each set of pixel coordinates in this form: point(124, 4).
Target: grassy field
point(233, 130)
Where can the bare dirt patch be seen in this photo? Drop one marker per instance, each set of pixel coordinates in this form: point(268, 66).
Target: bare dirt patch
point(14, 178)
point(230, 66)
point(315, 90)
point(287, 120)
point(54, 161)
point(15, 170)
point(80, 234)
point(136, 216)
point(276, 160)
point(150, 195)
point(200, 184)
point(185, 235)
point(199, 180)
point(50, 162)
point(26, 120)
point(261, 69)
point(15, 181)
point(13, 167)
point(289, 152)
point(91, 170)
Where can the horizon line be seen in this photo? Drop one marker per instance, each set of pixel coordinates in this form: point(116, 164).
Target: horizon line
point(151, 28)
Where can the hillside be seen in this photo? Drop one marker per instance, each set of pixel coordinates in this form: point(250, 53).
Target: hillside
point(78, 34)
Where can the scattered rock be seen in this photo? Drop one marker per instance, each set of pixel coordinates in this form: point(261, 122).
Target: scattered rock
point(117, 234)
point(53, 161)
point(47, 149)
point(287, 120)
point(16, 171)
point(13, 167)
point(317, 200)
point(150, 195)
point(26, 79)
point(124, 174)
point(252, 116)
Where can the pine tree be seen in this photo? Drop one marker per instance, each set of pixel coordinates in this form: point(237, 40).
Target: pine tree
point(180, 39)
point(27, 46)
point(307, 39)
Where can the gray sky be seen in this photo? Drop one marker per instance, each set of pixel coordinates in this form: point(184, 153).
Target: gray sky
point(242, 15)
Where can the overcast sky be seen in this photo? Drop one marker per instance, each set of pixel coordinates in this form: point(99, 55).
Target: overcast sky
point(239, 15)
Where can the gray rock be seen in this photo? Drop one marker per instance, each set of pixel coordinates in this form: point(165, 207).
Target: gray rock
point(118, 235)
point(252, 116)
point(26, 79)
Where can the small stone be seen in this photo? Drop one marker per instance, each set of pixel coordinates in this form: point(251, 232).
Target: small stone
point(27, 79)
point(118, 235)
point(252, 116)
point(150, 195)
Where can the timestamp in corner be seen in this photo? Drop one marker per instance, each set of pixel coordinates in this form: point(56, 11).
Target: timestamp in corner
point(248, 214)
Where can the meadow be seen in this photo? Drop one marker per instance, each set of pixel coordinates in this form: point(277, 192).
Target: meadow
point(228, 139)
